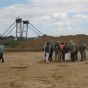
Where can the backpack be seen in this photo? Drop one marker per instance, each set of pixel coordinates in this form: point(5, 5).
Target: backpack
point(82, 48)
point(73, 47)
point(47, 48)
point(57, 47)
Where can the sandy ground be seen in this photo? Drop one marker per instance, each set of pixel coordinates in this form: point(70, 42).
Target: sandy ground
point(27, 70)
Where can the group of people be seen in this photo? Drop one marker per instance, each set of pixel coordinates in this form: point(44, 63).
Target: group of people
point(63, 49)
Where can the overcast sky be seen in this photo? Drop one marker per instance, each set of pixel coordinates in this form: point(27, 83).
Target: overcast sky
point(51, 17)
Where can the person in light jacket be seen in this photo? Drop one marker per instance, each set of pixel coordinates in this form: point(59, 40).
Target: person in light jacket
point(82, 50)
point(2, 49)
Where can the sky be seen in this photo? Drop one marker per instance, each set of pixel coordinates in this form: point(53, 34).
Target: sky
point(51, 17)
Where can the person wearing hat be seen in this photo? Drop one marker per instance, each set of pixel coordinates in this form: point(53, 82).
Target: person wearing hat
point(73, 49)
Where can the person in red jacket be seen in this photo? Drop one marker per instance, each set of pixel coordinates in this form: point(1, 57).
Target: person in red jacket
point(62, 51)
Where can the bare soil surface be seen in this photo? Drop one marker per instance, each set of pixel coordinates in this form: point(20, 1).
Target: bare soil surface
point(28, 70)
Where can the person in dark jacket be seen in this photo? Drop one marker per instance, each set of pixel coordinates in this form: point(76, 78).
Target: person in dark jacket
point(51, 50)
point(57, 51)
point(76, 53)
point(64, 50)
point(47, 51)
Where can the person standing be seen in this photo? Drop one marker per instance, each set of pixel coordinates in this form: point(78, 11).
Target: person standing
point(66, 51)
point(82, 50)
point(76, 53)
point(51, 51)
point(47, 52)
point(57, 51)
point(2, 49)
point(63, 50)
point(73, 49)
point(44, 52)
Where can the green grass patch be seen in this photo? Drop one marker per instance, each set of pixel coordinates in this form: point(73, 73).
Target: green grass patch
point(11, 43)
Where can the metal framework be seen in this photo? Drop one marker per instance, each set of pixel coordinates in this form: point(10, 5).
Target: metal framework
point(19, 29)
point(25, 28)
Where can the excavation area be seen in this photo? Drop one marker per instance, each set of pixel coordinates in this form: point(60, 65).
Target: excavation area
point(28, 70)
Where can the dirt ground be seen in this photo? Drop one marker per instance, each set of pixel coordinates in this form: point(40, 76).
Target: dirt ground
point(28, 70)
